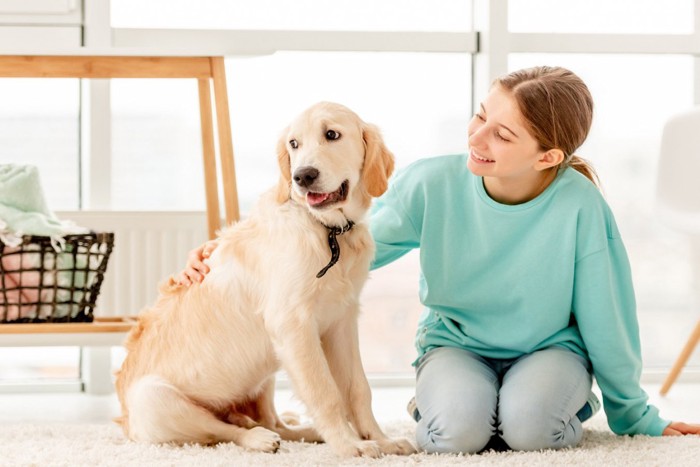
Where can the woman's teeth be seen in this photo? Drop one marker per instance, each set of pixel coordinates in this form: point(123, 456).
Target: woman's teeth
point(483, 159)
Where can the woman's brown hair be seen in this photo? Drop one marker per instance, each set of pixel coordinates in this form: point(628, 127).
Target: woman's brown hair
point(558, 107)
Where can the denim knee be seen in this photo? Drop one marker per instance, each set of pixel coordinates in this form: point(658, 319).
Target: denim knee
point(455, 431)
point(539, 397)
point(532, 430)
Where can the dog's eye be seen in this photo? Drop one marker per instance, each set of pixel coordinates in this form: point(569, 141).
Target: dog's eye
point(332, 134)
point(293, 143)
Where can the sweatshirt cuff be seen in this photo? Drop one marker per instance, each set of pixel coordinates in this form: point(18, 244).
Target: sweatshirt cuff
point(657, 427)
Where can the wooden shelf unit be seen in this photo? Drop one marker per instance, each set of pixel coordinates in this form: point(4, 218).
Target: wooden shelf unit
point(209, 72)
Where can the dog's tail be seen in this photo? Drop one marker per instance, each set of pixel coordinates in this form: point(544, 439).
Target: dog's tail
point(123, 422)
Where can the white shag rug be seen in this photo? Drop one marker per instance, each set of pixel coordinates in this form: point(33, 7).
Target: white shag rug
point(104, 445)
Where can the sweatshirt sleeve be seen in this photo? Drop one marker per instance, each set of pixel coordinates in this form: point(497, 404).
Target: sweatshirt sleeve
point(392, 228)
point(605, 310)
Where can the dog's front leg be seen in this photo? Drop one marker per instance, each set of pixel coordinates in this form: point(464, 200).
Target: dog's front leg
point(267, 416)
point(299, 347)
point(341, 346)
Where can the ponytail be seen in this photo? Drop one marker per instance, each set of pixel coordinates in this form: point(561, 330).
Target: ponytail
point(584, 167)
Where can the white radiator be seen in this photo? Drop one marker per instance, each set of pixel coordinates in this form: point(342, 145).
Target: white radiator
point(148, 247)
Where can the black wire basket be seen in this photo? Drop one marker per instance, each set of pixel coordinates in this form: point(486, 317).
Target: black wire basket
point(44, 281)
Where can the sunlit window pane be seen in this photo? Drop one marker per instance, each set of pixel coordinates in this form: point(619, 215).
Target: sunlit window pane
point(419, 101)
point(39, 125)
point(156, 144)
point(601, 16)
point(389, 318)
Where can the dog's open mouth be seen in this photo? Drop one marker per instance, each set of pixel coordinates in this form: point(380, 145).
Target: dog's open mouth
point(320, 200)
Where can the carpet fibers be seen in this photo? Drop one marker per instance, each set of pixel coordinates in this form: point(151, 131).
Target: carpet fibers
point(104, 445)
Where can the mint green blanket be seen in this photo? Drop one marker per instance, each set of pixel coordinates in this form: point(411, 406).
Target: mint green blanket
point(23, 209)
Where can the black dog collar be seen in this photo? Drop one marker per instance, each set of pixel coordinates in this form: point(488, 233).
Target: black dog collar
point(333, 245)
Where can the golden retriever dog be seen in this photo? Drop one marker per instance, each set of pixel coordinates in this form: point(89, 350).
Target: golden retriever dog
point(283, 291)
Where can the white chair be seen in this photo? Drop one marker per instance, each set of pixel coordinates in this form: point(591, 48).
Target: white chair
point(678, 203)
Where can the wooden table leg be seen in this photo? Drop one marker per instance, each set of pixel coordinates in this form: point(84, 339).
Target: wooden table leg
point(209, 158)
point(681, 360)
point(228, 170)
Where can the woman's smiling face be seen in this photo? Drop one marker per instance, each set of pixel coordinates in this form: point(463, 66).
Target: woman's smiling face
point(499, 143)
point(502, 150)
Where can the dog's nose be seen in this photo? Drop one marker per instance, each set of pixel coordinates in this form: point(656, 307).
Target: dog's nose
point(305, 176)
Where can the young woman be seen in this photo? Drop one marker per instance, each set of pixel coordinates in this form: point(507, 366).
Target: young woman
point(524, 277)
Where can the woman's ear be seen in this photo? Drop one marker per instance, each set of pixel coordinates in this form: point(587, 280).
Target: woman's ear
point(379, 161)
point(548, 159)
point(284, 185)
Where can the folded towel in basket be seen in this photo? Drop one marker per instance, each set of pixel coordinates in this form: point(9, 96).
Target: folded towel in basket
point(23, 209)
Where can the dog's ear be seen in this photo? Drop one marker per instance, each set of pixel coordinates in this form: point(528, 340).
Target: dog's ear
point(284, 185)
point(379, 161)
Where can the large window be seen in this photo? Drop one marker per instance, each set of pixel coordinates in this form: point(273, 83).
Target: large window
point(421, 101)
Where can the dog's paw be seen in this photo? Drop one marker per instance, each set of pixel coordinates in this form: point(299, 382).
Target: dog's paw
point(260, 439)
point(359, 448)
point(399, 446)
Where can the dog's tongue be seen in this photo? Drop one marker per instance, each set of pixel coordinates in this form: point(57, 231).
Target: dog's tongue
point(316, 198)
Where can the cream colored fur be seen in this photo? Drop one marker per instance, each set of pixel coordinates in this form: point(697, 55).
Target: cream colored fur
point(201, 362)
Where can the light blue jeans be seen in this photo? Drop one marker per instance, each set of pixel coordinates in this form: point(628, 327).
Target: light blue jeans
point(530, 403)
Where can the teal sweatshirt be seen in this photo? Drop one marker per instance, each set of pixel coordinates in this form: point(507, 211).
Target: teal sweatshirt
point(507, 280)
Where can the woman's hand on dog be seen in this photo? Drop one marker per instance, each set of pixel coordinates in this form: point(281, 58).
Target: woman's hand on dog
point(196, 269)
